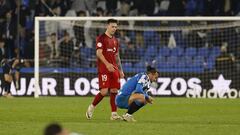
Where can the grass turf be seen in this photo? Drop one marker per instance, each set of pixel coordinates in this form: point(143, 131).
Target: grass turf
point(167, 116)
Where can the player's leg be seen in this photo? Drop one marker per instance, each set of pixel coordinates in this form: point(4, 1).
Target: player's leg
point(97, 99)
point(113, 94)
point(17, 79)
point(7, 85)
point(135, 102)
point(114, 87)
point(104, 87)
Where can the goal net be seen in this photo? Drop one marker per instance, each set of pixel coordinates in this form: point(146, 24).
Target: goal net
point(196, 57)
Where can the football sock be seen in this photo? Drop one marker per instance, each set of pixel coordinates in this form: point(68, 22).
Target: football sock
point(134, 106)
point(97, 99)
point(112, 102)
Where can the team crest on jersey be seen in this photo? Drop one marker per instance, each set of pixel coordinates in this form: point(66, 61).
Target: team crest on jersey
point(99, 44)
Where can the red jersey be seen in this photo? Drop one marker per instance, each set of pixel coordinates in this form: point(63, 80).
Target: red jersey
point(110, 48)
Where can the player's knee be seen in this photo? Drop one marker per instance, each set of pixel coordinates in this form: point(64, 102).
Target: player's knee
point(140, 97)
point(114, 90)
point(142, 100)
point(137, 97)
point(8, 78)
point(104, 92)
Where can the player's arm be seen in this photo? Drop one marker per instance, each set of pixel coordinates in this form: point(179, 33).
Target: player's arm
point(139, 89)
point(109, 66)
point(119, 65)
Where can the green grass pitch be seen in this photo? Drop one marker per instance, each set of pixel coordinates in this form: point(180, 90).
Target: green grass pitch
point(167, 116)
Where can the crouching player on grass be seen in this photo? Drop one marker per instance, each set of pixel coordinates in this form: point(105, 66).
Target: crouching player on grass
point(133, 94)
point(11, 72)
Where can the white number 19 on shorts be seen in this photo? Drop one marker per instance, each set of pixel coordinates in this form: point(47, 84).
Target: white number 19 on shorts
point(104, 78)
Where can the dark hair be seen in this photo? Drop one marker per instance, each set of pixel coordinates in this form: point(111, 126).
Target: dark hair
point(53, 129)
point(111, 21)
point(81, 12)
point(1, 39)
point(65, 33)
point(53, 34)
point(151, 69)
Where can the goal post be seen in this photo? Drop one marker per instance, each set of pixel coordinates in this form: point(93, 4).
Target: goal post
point(181, 48)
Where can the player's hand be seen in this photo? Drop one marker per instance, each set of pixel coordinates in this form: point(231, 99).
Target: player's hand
point(121, 74)
point(150, 100)
point(110, 67)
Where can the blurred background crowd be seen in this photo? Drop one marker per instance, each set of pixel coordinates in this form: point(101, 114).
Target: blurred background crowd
point(72, 47)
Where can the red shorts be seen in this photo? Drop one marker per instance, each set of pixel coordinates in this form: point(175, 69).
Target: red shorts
point(109, 80)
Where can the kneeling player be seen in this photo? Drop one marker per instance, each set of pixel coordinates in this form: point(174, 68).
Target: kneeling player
point(7, 78)
point(133, 94)
point(10, 66)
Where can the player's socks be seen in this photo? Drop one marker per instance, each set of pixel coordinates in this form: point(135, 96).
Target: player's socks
point(112, 102)
point(97, 99)
point(134, 106)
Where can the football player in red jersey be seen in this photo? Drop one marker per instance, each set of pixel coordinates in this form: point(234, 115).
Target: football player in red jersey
point(109, 69)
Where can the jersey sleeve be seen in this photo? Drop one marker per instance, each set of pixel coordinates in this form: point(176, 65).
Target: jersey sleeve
point(99, 43)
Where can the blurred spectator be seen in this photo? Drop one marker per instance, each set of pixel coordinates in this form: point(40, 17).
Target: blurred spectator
point(25, 16)
point(100, 12)
point(64, 5)
point(190, 7)
point(196, 39)
point(176, 8)
point(44, 54)
point(149, 7)
point(76, 60)
point(29, 48)
point(57, 10)
point(123, 38)
point(66, 49)
point(84, 5)
point(85, 36)
point(53, 44)
point(235, 7)
point(137, 5)
point(139, 39)
point(2, 51)
point(129, 53)
point(5, 5)
point(237, 55)
point(9, 34)
point(78, 29)
point(144, 7)
point(40, 9)
point(163, 6)
point(22, 43)
point(225, 61)
point(125, 7)
point(111, 6)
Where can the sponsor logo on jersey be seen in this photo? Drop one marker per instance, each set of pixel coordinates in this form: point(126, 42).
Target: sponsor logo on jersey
point(111, 49)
